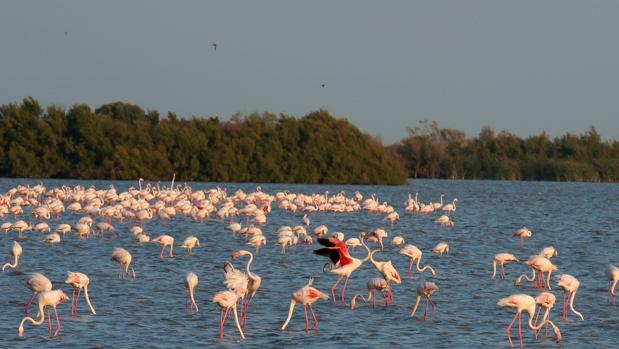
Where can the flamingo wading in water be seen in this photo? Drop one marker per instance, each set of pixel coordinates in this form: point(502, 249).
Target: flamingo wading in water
point(79, 282)
point(306, 296)
point(343, 263)
point(16, 252)
point(524, 303)
point(45, 299)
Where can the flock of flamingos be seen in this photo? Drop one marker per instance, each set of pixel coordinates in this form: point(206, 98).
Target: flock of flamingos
point(247, 213)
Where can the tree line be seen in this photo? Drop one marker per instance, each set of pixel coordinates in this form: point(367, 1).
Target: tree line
point(123, 141)
point(429, 151)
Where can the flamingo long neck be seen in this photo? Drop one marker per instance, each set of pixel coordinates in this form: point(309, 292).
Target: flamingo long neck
point(543, 322)
point(290, 311)
point(372, 258)
point(367, 248)
point(454, 204)
point(493, 269)
point(193, 301)
point(9, 265)
point(92, 309)
point(353, 302)
point(427, 266)
point(572, 296)
point(37, 322)
point(416, 305)
point(251, 259)
point(173, 178)
point(236, 320)
point(441, 200)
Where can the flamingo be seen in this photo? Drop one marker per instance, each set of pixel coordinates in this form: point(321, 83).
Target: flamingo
point(256, 241)
point(397, 241)
point(425, 290)
point(392, 217)
point(440, 248)
point(165, 240)
point(227, 300)
point(501, 259)
point(342, 263)
point(437, 205)
point(16, 252)
point(377, 236)
point(353, 242)
point(524, 303)
point(253, 281)
point(570, 286)
point(444, 221)
point(388, 271)
point(306, 220)
point(123, 257)
point(37, 283)
point(79, 281)
point(189, 243)
point(548, 252)
point(191, 282)
point(306, 296)
point(53, 238)
point(45, 299)
point(539, 265)
point(547, 301)
point(449, 208)
point(413, 253)
point(523, 233)
point(375, 284)
point(612, 273)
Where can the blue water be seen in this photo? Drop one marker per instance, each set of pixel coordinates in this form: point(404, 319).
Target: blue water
point(580, 220)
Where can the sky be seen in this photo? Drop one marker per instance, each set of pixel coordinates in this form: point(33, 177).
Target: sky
point(522, 66)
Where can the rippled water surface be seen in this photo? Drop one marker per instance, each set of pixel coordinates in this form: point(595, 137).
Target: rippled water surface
point(580, 220)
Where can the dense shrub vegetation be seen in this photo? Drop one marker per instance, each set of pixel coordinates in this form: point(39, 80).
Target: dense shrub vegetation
point(122, 141)
point(432, 152)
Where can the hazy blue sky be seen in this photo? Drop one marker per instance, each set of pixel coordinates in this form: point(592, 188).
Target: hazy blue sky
point(524, 66)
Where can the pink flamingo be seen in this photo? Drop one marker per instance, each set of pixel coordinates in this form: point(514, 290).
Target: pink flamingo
point(306, 296)
point(165, 240)
point(343, 263)
point(524, 303)
point(45, 299)
point(425, 290)
point(79, 281)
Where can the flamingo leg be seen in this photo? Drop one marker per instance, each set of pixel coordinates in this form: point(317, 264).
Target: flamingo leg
point(433, 306)
point(49, 321)
point(334, 287)
point(565, 298)
point(314, 316)
point(73, 306)
point(306, 320)
point(221, 324)
point(186, 299)
point(57, 322)
point(77, 298)
point(609, 293)
point(344, 287)
point(520, 328)
point(509, 327)
point(29, 302)
point(539, 310)
point(161, 254)
point(410, 267)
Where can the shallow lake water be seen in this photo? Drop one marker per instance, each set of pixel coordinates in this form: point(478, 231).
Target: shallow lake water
point(580, 220)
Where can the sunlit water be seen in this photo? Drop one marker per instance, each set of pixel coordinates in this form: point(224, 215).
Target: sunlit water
point(580, 220)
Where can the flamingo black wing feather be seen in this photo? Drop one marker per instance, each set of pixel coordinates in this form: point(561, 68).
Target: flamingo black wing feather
point(333, 255)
